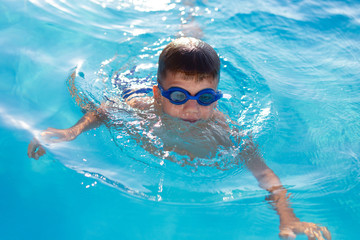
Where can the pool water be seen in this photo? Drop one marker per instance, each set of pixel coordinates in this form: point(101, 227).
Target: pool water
point(290, 71)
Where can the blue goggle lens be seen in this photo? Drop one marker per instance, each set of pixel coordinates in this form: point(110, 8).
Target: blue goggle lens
point(180, 96)
point(207, 98)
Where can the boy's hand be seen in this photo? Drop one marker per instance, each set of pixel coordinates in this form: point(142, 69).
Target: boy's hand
point(35, 150)
point(50, 135)
point(312, 231)
point(53, 135)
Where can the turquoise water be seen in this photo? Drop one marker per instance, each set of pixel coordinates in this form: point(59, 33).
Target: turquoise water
point(291, 69)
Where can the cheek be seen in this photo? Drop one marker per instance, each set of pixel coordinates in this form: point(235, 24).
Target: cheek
point(170, 108)
point(208, 111)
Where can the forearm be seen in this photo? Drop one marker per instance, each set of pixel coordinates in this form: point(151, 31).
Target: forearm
point(278, 194)
point(90, 120)
point(278, 197)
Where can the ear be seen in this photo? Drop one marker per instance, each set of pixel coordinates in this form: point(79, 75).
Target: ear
point(157, 93)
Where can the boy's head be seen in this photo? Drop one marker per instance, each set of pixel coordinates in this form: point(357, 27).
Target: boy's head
point(190, 56)
point(193, 66)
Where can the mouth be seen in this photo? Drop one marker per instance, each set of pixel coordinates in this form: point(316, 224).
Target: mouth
point(190, 120)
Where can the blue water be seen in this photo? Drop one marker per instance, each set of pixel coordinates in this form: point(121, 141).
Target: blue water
point(292, 71)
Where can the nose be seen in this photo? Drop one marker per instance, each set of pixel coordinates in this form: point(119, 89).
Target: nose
point(191, 108)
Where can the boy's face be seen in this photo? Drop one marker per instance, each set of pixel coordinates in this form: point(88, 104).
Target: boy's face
point(191, 110)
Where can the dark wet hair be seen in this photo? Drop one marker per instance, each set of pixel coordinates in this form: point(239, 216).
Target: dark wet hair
point(190, 56)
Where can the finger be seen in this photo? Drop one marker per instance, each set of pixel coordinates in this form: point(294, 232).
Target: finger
point(326, 233)
point(51, 137)
point(309, 233)
point(313, 231)
point(41, 151)
point(51, 131)
point(29, 150)
point(305, 227)
point(318, 234)
point(37, 155)
point(32, 147)
point(47, 134)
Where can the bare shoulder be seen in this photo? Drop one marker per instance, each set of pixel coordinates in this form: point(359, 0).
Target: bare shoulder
point(141, 102)
point(220, 116)
point(221, 119)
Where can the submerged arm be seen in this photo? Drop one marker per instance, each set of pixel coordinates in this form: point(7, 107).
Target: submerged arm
point(90, 120)
point(269, 181)
point(290, 225)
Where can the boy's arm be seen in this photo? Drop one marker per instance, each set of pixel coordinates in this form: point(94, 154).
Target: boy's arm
point(90, 120)
point(290, 225)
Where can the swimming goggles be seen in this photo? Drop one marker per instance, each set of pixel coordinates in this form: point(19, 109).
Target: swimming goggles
point(179, 96)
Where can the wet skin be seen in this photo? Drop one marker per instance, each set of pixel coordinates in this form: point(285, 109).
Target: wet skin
point(191, 111)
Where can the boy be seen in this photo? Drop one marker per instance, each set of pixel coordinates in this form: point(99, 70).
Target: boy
point(188, 76)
